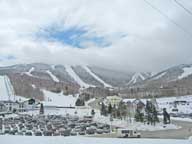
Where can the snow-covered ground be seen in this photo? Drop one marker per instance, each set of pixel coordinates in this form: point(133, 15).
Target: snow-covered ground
point(96, 77)
point(70, 71)
point(59, 99)
point(134, 125)
point(53, 76)
point(84, 140)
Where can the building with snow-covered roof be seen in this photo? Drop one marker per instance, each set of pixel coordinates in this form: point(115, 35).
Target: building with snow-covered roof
point(113, 100)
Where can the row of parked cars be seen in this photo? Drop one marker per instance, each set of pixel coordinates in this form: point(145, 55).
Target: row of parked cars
point(52, 125)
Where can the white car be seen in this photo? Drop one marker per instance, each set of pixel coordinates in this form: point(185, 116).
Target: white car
point(128, 133)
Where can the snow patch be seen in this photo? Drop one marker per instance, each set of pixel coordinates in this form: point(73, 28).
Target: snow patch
point(59, 99)
point(96, 77)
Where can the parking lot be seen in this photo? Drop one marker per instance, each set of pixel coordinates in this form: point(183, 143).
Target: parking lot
point(51, 125)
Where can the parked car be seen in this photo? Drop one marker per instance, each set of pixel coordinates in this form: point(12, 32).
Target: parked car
point(90, 131)
point(82, 133)
point(38, 133)
point(28, 133)
point(100, 131)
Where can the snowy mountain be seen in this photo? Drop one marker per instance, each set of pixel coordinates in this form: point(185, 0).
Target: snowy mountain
point(30, 79)
point(172, 76)
point(83, 76)
point(173, 81)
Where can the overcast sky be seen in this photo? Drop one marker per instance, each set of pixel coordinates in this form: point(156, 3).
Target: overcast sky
point(121, 34)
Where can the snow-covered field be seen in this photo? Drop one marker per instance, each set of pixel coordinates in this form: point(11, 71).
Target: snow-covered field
point(84, 140)
point(54, 99)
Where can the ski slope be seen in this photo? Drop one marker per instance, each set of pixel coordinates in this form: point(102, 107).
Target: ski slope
point(96, 77)
point(82, 84)
point(54, 78)
point(135, 78)
point(30, 71)
point(186, 73)
point(7, 91)
point(159, 76)
point(3, 89)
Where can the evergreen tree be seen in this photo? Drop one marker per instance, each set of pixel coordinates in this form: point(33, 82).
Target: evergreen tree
point(103, 109)
point(166, 117)
point(93, 112)
point(80, 102)
point(41, 111)
point(154, 115)
point(148, 112)
point(110, 108)
point(151, 113)
point(122, 110)
point(139, 117)
point(114, 112)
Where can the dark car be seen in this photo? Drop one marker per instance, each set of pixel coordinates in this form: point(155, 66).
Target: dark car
point(38, 133)
point(90, 131)
point(47, 133)
point(82, 133)
point(100, 131)
point(28, 133)
point(66, 132)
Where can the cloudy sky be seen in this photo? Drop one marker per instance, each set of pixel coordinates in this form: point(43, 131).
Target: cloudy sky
point(121, 34)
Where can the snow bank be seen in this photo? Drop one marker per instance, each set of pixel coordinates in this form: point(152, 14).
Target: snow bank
point(84, 140)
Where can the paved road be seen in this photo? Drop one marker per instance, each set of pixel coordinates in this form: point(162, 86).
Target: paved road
point(183, 133)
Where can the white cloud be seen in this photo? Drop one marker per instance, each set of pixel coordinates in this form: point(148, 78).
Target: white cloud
point(152, 42)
